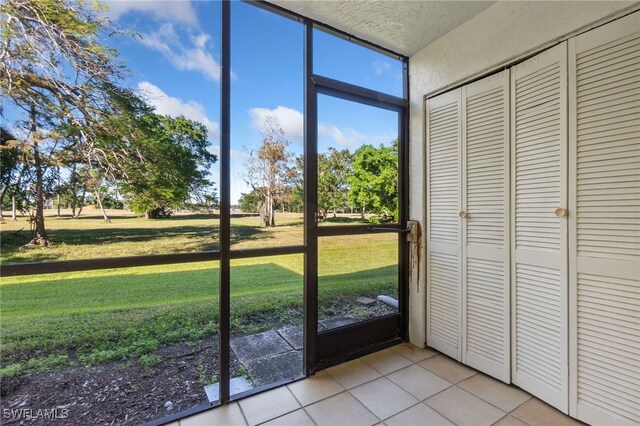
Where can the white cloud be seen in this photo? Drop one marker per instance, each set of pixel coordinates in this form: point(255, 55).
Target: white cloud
point(380, 67)
point(174, 11)
point(347, 138)
point(384, 138)
point(291, 121)
point(168, 105)
point(192, 57)
point(200, 40)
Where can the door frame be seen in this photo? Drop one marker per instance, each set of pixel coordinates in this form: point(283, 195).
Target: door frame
point(337, 345)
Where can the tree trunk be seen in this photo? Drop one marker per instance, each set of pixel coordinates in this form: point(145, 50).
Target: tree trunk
point(14, 215)
point(272, 214)
point(73, 190)
point(267, 215)
point(41, 238)
point(104, 213)
point(334, 212)
point(58, 190)
point(14, 206)
point(4, 191)
point(84, 193)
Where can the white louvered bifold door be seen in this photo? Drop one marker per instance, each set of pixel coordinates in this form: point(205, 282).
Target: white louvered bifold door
point(485, 229)
point(443, 224)
point(605, 225)
point(539, 229)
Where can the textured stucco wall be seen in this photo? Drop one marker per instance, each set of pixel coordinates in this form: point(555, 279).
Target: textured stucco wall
point(502, 33)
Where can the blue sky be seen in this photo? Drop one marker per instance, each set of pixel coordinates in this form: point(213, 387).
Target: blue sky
point(174, 62)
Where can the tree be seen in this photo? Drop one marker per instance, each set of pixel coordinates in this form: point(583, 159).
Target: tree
point(173, 165)
point(55, 70)
point(9, 163)
point(334, 168)
point(295, 190)
point(374, 180)
point(15, 172)
point(268, 170)
point(250, 202)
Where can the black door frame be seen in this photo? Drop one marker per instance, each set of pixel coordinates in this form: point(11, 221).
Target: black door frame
point(334, 346)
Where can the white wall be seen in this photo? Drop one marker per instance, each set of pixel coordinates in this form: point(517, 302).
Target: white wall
point(499, 35)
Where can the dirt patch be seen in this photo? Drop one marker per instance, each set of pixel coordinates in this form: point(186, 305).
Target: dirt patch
point(118, 393)
point(342, 308)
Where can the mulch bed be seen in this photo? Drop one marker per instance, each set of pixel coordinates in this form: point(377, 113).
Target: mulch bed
point(118, 393)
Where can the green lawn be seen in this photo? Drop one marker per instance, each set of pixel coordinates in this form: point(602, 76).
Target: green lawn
point(89, 237)
point(98, 316)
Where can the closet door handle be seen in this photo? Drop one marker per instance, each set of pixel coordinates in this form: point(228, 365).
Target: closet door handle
point(463, 214)
point(560, 212)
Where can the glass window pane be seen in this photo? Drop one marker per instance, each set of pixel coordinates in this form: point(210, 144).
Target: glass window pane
point(161, 195)
point(114, 346)
point(343, 60)
point(357, 163)
point(357, 278)
point(267, 314)
point(266, 128)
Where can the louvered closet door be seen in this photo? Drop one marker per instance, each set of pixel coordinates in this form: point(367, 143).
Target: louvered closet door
point(443, 230)
point(605, 245)
point(485, 227)
point(539, 233)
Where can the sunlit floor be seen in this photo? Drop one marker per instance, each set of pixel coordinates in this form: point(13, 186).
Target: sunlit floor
point(404, 385)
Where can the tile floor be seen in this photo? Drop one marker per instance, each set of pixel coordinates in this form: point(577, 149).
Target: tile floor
point(403, 385)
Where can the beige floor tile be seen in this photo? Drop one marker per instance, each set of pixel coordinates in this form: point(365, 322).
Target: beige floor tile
point(413, 352)
point(419, 382)
point(418, 415)
point(313, 389)
point(268, 405)
point(352, 373)
point(386, 361)
point(509, 420)
point(503, 396)
point(297, 418)
point(447, 368)
point(341, 409)
point(383, 398)
point(536, 412)
point(226, 415)
point(464, 409)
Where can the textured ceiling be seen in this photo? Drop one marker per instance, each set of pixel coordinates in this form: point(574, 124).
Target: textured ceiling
point(403, 26)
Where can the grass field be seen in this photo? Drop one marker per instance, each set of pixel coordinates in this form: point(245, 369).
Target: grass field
point(89, 237)
point(98, 316)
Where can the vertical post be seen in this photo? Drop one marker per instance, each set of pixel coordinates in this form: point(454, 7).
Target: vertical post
point(225, 202)
point(403, 202)
point(310, 206)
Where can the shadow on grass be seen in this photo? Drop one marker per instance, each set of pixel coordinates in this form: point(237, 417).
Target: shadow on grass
point(205, 239)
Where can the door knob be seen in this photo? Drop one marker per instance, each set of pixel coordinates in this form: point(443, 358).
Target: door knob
point(462, 214)
point(560, 212)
